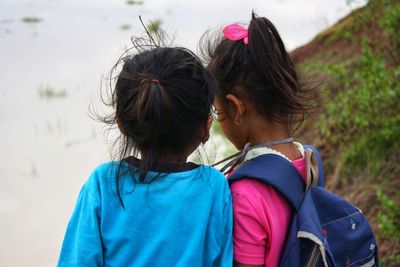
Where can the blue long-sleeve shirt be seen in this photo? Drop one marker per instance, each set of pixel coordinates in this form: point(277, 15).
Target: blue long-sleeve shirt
point(182, 218)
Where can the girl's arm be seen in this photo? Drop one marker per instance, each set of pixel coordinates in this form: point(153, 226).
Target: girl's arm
point(249, 234)
point(82, 242)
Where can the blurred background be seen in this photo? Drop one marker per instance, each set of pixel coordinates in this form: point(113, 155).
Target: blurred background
point(55, 53)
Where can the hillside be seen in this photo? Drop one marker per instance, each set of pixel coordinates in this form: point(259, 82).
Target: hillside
point(358, 126)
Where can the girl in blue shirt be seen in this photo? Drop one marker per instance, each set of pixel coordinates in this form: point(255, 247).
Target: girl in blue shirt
point(152, 207)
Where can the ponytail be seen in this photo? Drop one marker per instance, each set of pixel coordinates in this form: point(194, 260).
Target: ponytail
point(152, 103)
point(266, 46)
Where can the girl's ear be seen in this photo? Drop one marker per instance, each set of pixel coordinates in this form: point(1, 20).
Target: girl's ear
point(209, 122)
point(206, 131)
point(239, 107)
point(120, 127)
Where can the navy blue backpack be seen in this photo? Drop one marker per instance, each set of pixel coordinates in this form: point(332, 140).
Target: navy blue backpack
point(325, 229)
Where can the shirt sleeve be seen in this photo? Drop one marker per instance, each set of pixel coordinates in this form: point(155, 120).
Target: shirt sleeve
point(249, 234)
point(82, 242)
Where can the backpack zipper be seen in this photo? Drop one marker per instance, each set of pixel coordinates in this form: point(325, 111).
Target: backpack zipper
point(314, 256)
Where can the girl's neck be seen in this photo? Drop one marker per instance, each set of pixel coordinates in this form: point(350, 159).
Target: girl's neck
point(169, 159)
point(261, 131)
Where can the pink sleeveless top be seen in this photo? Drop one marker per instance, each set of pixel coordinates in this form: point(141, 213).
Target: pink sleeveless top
point(261, 220)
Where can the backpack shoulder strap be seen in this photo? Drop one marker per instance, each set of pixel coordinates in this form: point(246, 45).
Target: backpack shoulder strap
point(276, 171)
point(321, 180)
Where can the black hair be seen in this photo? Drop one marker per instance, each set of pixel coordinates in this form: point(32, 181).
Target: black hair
point(162, 99)
point(262, 72)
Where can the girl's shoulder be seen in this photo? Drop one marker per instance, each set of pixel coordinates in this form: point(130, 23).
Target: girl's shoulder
point(211, 179)
point(250, 188)
point(106, 169)
point(209, 170)
point(100, 186)
point(102, 177)
point(212, 175)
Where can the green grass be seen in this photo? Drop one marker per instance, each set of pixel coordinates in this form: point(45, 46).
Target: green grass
point(49, 92)
point(125, 27)
point(154, 26)
point(344, 29)
point(134, 2)
point(31, 20)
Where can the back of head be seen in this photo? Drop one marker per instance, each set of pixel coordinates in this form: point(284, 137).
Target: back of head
point(261, 71)
point(162, 100)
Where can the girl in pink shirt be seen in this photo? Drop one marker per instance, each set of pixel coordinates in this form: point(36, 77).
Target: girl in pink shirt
point(259, 102)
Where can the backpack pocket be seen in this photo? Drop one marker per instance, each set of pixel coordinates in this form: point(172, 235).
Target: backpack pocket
point(351, 241)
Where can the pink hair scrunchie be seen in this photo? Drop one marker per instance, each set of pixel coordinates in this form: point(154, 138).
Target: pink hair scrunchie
point(236, 32)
